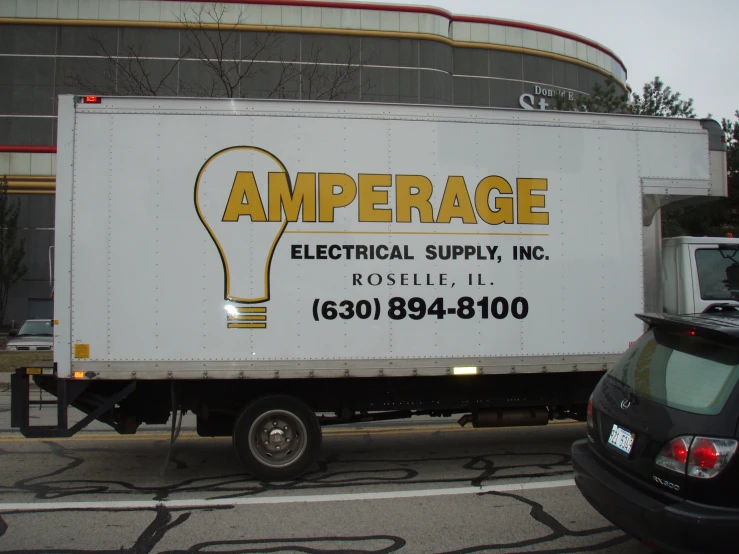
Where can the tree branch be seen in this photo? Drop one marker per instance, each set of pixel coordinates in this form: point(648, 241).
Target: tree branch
point(129, 73)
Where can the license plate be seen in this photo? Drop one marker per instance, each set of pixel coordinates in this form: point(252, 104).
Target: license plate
point(621, 439)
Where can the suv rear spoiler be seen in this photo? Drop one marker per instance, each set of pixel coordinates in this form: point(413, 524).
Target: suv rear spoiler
point(709, 325)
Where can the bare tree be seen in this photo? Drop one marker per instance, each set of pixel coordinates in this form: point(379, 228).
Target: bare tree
point(326, 81)
point(227, 61)
point(218, 59)
point(127, 73)
point(234, 61)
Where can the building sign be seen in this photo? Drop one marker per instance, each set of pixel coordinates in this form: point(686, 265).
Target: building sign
point(538, 100)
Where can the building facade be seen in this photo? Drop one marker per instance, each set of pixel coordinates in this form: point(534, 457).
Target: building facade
point(309, 50)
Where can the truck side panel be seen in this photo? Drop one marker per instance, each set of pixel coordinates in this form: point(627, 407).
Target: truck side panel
point(271, 237)
point(63, 239)
point(674, 157)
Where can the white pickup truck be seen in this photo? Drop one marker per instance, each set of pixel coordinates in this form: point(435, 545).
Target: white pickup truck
point(699, 272)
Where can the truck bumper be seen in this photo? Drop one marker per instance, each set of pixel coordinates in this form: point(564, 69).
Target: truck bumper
point(66, 392)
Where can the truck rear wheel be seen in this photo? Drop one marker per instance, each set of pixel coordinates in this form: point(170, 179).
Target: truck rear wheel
point(276, 438)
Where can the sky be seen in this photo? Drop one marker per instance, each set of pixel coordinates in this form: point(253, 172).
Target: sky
point(691, 44)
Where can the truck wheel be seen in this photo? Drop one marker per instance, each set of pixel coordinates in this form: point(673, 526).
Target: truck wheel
point(276, 438)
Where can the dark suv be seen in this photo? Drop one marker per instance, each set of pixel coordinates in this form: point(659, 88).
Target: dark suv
point(660, 458)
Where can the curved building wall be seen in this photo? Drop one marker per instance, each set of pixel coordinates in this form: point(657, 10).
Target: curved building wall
point(387, 53)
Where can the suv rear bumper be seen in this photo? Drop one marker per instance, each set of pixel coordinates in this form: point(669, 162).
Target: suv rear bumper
point(685, 527)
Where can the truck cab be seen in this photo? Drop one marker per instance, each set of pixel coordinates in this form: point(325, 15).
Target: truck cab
point(698, 272)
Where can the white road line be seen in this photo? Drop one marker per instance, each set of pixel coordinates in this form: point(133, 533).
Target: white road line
point(205, 503)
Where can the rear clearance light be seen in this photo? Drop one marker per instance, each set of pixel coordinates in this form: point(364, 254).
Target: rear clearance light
point(590, 412)
point(701, 457)
point(92, 100)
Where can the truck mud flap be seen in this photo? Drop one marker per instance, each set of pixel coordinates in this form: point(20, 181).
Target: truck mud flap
point(66, 392)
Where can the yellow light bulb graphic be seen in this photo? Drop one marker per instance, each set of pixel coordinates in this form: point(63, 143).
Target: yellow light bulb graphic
point(233, 210)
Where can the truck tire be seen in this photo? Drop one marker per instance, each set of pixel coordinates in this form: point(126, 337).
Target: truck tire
point(276, 438)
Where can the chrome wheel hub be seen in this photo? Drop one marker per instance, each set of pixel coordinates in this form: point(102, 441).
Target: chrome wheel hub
point(277, 438)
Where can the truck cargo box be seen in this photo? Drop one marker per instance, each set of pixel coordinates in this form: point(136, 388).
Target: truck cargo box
point(228, 239)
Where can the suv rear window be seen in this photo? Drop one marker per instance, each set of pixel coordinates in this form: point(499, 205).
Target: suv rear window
point(680, 371)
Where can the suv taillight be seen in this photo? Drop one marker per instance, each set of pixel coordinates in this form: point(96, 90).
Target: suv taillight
point(590, 412)
point(709, 456)
point(674, 455)
point(701, 457)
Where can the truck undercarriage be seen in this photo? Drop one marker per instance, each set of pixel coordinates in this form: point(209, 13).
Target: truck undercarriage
point(126, 405)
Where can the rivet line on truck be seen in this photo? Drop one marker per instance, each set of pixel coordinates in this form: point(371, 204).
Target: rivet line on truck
point(215, 256)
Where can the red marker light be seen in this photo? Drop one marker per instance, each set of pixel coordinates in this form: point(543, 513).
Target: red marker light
point(92, 100)
point(678, 451)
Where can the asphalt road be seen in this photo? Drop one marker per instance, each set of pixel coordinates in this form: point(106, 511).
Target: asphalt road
point(412, 487)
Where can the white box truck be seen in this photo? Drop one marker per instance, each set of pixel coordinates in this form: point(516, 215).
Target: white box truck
point(275, 266)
